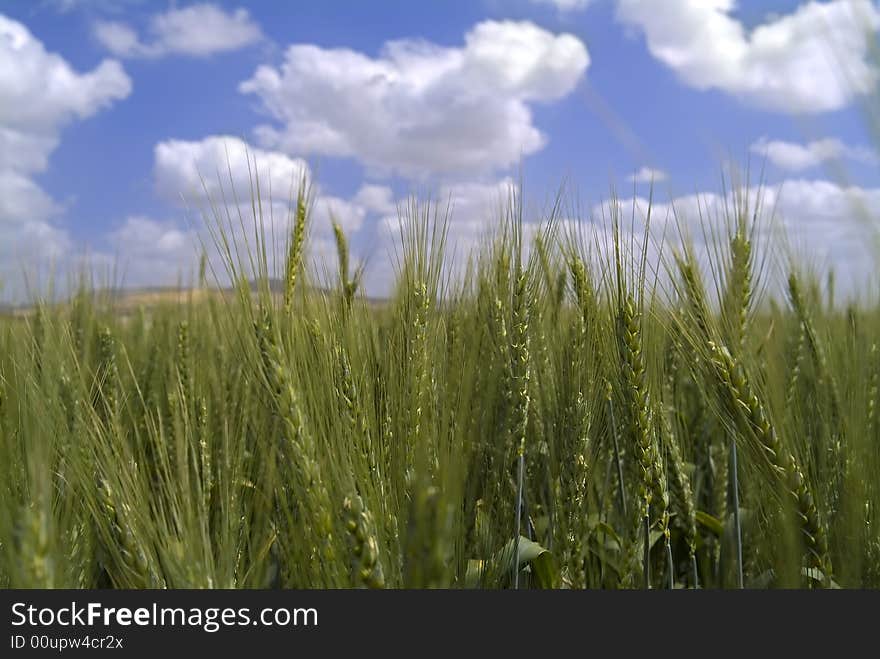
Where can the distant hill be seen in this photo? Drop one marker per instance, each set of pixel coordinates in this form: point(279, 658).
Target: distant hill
point(128, 300)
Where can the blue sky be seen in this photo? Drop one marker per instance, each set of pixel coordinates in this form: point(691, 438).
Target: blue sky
point(588, 92)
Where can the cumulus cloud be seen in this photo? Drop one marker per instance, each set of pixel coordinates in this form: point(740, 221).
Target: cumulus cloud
point(372, 212)
point(816, 222)
point(220, 169)
point(471, 209)
point(376, 198)
point(829, 223)
point(153, 252)
point(648, 175)
point(220, 173)
point(826, 216)
point(40, 93)
point(198, 30)
point(815, 59)
point(474, 209)
point(825, 222)
point(420, 108)
point(191, 170)
point(795, 157)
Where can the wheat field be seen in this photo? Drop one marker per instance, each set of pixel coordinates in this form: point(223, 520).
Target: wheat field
point(558, 413)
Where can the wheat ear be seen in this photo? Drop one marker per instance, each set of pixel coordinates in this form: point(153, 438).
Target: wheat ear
point(749, 410)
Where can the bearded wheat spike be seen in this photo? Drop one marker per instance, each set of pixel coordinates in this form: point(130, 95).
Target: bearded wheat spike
point(749, 409)
point(366, 568)
point(183, 360)
point(695, 295)
point(295, 250)
point(520, 364)
point(837, 449)
point(739, 287)
point(661, 505)
point(637, 397)
point(520, 375)
point(685, 496)
point(417, 363)
point(635, 386)
point(205, 457)
point(108, 374)
point(352, 410)
point(36, 566)
point(816, 348)
point(302, 449)
point(797, 366)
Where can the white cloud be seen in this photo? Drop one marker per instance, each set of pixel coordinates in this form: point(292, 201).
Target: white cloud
point(222, 171)
point(815, 59)
point(220, 166)
point(827, 223)
point(824, 214)
point(328, 209)
point(216, 179)
point(475, 208)
point(420, 108)
point(479, 205)
point(830, 225)
point(119, 38)
point(152, 252)
point(40, 93)
point(162, 238)
point(187, 170)
point(795, 157)
point(648, 175)
point(22, 200)
point(197, 30)
point(564, 5)
point(818, 222)
point(376, 198)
